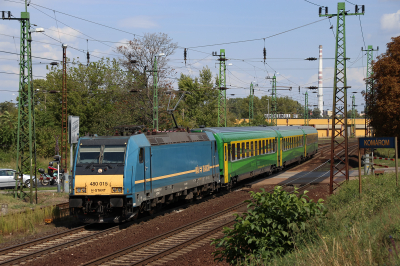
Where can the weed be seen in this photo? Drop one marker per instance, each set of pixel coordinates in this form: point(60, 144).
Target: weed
point(358, 230)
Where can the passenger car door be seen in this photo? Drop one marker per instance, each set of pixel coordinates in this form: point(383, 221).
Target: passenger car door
point(147, 170)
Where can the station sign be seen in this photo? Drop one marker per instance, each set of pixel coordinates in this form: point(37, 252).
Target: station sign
point(374, 143)
point(73, 129)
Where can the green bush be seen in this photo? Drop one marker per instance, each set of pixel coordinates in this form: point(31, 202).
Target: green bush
point(359, 230)
point(267, 228)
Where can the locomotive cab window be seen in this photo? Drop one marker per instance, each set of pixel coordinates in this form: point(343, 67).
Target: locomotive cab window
point(114, 154)
point(89, 154)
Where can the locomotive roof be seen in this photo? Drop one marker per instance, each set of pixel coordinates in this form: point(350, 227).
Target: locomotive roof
point(104, 140)
point(162, 138)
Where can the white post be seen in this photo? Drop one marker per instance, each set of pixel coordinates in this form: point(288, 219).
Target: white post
point(58, 176)
point(320, 83)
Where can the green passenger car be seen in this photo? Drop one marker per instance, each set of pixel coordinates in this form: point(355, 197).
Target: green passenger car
point(249, 151)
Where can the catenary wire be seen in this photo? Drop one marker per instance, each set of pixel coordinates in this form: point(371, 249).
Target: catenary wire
point(362, 33)
point(258, 39)
point(312, 3)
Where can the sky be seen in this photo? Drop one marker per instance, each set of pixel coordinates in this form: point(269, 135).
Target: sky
point(290, 30)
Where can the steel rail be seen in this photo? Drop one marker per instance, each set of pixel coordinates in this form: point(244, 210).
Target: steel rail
point(156, 239)
point(38, 241)
point(47, 250)
point(179, 246)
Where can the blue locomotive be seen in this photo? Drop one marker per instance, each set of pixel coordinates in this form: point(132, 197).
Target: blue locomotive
point(115, 178)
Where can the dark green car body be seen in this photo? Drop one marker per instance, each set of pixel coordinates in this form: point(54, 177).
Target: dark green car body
point(248, 151)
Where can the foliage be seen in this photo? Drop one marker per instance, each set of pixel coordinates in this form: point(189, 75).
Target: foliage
point(316, 113)
point(200, 103)
point(8, 125)
point(358, 230)
point(139, 59)
point(384, 102)
point(266, 229)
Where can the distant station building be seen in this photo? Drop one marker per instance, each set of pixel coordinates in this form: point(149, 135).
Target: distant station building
point(323, 125)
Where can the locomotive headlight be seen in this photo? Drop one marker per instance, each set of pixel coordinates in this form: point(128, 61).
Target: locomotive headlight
point(81, 190)
point(116, 189)
point(78, 190)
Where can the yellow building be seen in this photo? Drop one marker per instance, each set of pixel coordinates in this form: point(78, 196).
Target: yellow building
point(323, 125)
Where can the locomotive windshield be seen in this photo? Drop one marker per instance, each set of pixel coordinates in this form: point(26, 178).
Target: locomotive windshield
point(101, 154)
point(89, 154)
point(113, 154)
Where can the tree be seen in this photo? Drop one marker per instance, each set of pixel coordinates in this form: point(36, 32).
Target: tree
point(139, 57)
point(200, 104)
point(8, 125)
point(384, 101)
point(316, 113)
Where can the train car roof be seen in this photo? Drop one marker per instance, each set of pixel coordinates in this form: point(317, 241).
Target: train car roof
point(102, 140)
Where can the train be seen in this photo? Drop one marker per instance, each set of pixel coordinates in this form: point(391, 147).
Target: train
point(115, 178)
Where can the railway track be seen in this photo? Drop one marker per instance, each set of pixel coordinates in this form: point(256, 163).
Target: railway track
point(322, 151)
point(42, 246)
point(162, 248)
point(168, 246)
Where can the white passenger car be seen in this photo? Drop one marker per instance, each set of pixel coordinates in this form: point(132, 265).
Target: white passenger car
point(7, 178)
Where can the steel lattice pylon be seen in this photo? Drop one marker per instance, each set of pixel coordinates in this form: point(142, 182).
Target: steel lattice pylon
point(274, 102)
point(155, 95)
point(64, 113)
point(251, 103)
point(368, 89)
point(339, 167)
point(306, 109)
point(222, 90)
point(26, 148)
point(353, 116)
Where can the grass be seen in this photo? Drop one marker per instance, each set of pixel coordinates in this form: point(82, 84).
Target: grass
point(385, 153)
point(8, 160)
point(24, 218)
point(9, 190)
point(358, 230)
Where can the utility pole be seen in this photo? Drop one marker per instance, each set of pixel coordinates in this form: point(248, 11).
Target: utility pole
point(369, 90)
point(222, 88)
point(64, 113)
point(251, 104)
point(353, 116)
point(339, 107)
point(306, 109)
point(274, 113)
point(155, 95)
point(26, 152)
